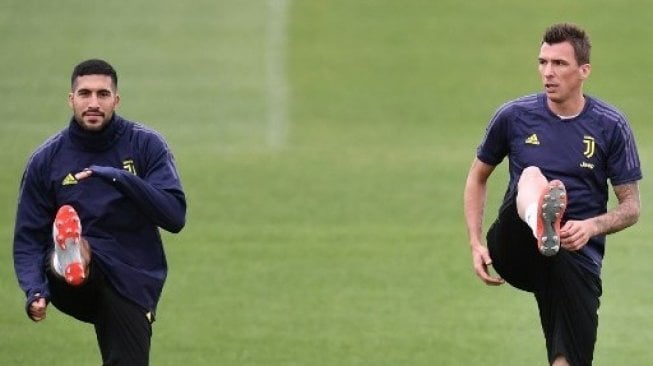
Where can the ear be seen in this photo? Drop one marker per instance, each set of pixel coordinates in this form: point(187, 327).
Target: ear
point(117, 100)
point(70, 100)
point(585, 71)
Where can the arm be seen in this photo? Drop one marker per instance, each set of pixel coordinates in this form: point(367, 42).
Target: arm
point(166, 207)
point(474, 205)
point(32, 239)
point(155, 189)
point(576, 233)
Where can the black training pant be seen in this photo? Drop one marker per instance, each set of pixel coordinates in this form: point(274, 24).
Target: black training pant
point(122, 328)
point(567, 294)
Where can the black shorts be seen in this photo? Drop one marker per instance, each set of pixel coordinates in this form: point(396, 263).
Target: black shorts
point(567, 294)
point(123, 330)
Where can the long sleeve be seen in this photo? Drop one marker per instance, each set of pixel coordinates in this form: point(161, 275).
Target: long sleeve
point(32, 233)
point(159, 194)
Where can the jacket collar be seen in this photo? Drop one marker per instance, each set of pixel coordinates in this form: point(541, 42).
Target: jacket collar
point(96, 141)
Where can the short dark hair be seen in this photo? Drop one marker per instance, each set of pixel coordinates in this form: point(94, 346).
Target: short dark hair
point(94, 67)
point(568, 32)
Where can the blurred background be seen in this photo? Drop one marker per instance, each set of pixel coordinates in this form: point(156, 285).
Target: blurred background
point(323, 147)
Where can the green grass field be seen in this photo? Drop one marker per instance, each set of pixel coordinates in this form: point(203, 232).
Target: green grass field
point(323, 146)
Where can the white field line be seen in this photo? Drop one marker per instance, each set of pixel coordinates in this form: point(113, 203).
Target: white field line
point(276, 79)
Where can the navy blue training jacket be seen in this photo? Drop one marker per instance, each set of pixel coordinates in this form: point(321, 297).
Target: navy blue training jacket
point(134, 190)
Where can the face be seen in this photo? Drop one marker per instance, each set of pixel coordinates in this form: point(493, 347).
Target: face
point(93, 100)
point(561, 75)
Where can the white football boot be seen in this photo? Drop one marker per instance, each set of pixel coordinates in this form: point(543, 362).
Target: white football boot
point(67, 235)
point(552, 204)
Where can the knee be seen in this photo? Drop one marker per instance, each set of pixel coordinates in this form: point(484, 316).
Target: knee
point(532, 175)
point(530, 184)
point(531, 172)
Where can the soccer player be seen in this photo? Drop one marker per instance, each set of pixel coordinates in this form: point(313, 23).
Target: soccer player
point(563, 148)
point(91, 202)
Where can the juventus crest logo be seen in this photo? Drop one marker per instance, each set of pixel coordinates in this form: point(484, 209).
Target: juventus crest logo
point(588, 141)
point(129, 166)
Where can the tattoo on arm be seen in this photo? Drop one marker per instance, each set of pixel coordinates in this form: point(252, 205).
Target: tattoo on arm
point(625, 214)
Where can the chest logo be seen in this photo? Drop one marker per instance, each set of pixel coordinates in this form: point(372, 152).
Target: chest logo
point(590, 146)
point(68, 180)
point(129, 166)
point(532, 140)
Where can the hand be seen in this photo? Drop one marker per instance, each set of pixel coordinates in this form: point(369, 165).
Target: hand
point(575, 234)
point(481, 260)
point(83, 174)
point(37, 309)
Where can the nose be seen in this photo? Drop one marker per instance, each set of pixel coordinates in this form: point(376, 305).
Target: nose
point(94, 101)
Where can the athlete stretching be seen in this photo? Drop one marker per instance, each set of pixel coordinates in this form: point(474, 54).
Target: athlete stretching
point(563, 148)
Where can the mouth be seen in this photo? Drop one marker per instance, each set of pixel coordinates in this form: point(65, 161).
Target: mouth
point(93, 117)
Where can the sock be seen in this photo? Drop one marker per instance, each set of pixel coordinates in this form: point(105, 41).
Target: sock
point(531, 217)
